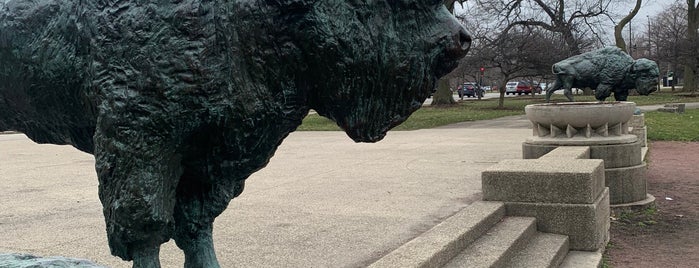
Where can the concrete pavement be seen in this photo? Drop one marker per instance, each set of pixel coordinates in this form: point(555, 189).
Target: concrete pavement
point(323, 201)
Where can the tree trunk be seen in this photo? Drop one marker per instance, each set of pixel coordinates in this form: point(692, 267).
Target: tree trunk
point(571, 41)
point(502, 87)
point(618, 29)
point(443, 95)
point(690, 68)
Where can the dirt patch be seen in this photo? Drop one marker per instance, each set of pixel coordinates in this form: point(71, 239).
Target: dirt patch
point(667, 236)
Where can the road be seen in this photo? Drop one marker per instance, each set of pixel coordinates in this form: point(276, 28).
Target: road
point(488, 95)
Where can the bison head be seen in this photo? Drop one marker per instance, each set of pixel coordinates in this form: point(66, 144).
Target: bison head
point(369, 64)
point(645, 74)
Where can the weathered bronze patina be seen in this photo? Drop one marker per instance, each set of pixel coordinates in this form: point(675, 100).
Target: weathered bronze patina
point(180, 101)
point(607, 70)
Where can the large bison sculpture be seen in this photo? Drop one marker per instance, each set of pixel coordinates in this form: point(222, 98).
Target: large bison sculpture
point(607, 70)
point(180, 101)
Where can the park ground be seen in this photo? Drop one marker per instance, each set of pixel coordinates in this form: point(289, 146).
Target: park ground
point(667, 235)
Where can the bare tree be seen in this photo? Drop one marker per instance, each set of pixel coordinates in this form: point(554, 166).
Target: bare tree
point(690, 68)
point(667, 35)
point(452, 3)
point(620, 26)
point(571, 19)
point(518, 53)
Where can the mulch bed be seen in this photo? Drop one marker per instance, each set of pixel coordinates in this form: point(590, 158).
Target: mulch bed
point(667, 236)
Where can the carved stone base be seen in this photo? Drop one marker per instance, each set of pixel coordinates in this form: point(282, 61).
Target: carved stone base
point(616, 151)
point(626, 184)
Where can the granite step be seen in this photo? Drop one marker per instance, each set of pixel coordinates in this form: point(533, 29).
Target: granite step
point(500, 244)
point(440, 244)
point(544, 250)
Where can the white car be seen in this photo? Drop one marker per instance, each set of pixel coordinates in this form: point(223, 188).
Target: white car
point(511, 87)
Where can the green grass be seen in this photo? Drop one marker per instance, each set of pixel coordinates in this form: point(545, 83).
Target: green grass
point(661, 126)
point(673, 126)
point(430, 117)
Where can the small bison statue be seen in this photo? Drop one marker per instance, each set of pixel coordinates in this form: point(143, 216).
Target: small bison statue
point(606, 70)
point(180, 101)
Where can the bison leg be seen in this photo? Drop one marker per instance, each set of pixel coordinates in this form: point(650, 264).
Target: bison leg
point(137, 181)
point(621, 95)
point(146, 257)
point(200, 199)
point(549, 91)
point(198, 246)
point(564, 82)
point(603, 92)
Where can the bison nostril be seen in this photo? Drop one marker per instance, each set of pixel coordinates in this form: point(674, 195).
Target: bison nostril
point(464, 39)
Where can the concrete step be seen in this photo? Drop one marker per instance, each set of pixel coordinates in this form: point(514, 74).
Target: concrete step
point(498, 245)
point(544, 250)
point(582, 259)
point(440, 244)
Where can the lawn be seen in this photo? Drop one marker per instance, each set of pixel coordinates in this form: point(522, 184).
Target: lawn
point(672, 126)
point(430, 117)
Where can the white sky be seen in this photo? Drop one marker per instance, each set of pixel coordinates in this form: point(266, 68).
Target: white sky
point(650, 7)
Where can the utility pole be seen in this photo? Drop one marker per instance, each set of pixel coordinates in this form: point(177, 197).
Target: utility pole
point(650, 43)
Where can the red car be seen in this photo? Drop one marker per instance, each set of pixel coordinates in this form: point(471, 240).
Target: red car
point(526, 88)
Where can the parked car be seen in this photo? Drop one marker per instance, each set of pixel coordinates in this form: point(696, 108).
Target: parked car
point(522, 87)
point(468, 90)
point(511, 87)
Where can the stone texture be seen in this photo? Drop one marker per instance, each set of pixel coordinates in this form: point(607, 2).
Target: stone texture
point(16, 260)
point(673, 108)
point(587, 225)
point(619, 155)
point(614, 155)
point(627, 184)
point(583, 259)
point(569, 152)
point(500, 244)
point(440, 244)
point(595, 118)
point(544, 250)
point(637, 121)
point(577, 181)
point(642, 134)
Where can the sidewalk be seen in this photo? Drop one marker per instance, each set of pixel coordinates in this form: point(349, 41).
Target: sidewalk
point(323, 201)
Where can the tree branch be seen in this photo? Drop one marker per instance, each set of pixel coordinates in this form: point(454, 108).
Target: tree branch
point(619, 27)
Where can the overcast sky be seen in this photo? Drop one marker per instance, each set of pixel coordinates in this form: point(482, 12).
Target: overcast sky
point(649, 8)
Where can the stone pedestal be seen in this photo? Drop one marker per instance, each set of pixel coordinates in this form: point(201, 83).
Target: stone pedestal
point(605, 129)
point(564, 191)
point(637, 126)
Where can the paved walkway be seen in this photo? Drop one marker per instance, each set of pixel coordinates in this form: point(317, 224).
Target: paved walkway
point(323, 201)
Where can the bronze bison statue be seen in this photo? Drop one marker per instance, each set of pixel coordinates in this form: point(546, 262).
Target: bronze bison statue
point(607, 70)
point(180, 101)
